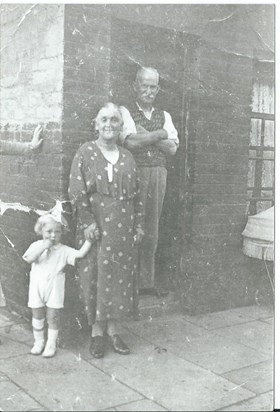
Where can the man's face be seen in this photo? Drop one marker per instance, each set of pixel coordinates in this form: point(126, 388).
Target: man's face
point(146, 87)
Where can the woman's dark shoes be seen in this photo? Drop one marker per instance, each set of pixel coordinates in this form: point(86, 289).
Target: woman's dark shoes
point(96, 348)
point(118, 345)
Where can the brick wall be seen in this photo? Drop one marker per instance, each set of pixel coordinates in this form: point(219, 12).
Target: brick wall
point(217, 274)
point(220, 147)
point(31, 93)
point(86, 73)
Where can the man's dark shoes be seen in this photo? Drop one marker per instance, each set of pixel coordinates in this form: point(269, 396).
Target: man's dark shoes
point(118, 345)
point(96, 348)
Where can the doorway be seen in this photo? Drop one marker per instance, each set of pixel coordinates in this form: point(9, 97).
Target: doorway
point(134, 45)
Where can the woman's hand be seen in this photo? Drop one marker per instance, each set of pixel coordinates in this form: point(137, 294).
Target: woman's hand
point(37, 138)
point(138, 235)
point(92, 232)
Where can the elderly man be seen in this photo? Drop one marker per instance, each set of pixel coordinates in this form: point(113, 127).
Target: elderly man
point(150, 136)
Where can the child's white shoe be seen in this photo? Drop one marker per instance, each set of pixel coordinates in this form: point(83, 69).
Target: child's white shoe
point(50, 350)
point(38, 347)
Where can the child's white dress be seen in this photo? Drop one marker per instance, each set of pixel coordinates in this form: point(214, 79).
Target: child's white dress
point(47, 276)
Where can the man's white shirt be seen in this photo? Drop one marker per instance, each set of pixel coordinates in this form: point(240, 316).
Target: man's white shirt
point(129, 126)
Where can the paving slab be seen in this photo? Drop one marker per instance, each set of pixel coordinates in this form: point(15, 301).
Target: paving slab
point(111, 409)
point(8, 318)
point(172, 382)
point(257, 378)
point(169, 329)
point(14, 398)
point(260, 403)
point(144, 405)
point(66, 383)
point(257, 335)
point(10, 348)
point(219, 355)
point(198, 345)
point(268, 320)
point(217, 320)
point(3, 377)
point(170, 366)
point(256, 311)
point(18, 332)
point(37, 410)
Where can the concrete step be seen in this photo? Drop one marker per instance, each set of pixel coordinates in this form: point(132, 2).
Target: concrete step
point(153, 306)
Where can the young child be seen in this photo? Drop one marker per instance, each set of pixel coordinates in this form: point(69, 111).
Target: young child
point(19, 148)
point(48, 258)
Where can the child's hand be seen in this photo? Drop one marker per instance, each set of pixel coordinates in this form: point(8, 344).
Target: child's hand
point(92, 232)
point(47, 243)
point(138, 235)
point(97, 233)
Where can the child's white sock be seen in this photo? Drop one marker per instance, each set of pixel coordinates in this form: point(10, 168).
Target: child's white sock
point(50, 348)
point(52, 335)
point(38, 333)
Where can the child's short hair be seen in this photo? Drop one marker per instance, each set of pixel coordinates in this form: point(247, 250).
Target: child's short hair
point(43, 220)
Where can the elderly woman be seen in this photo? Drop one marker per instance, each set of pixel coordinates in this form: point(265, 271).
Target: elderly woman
point(104, 192)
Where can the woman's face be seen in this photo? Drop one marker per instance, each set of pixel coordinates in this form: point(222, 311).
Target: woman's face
point(108, 124)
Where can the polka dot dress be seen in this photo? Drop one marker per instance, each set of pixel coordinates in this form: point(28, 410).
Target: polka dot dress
point(107, 273)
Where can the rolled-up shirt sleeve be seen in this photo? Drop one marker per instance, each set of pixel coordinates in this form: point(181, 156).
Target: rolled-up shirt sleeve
point(128, 125)
point(14, 148)
point(170, 128)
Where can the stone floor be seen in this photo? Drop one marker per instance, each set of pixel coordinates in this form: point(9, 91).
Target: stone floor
point(221, 361)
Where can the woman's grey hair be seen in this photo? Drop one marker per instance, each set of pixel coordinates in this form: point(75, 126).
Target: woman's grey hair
point(111, 106)
point(42, 221)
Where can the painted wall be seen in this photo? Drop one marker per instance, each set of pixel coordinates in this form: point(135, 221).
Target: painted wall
point(32, 47)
